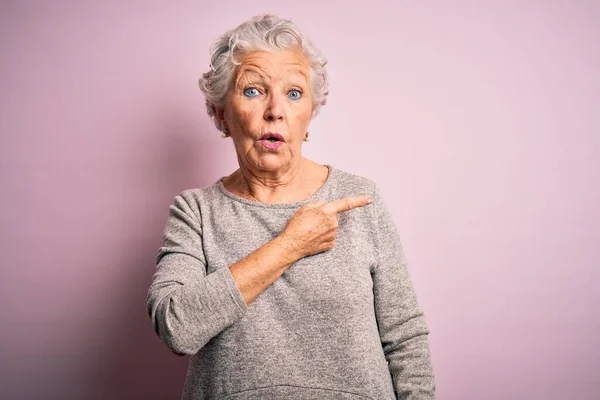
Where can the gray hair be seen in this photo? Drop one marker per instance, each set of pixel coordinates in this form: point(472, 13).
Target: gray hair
point(265, 32)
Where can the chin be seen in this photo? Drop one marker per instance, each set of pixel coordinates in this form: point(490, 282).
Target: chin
point(271, 162)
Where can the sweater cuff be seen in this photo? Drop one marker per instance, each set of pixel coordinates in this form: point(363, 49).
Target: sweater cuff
point(225, 283)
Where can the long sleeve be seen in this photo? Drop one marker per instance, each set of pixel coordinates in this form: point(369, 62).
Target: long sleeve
point(187, 307)
point(402, 325)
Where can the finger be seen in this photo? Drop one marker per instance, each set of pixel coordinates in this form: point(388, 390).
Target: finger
point(347, 203)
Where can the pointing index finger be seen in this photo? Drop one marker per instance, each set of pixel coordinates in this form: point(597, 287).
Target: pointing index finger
point(347, 203)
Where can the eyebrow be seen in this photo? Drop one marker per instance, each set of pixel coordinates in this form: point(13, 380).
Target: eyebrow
point(299, 71)
point(243, 79)
point(242, 74)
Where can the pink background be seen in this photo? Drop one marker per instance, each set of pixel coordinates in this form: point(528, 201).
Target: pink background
point(479, 120)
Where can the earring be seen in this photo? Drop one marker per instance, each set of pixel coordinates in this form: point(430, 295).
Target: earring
point(225, 133)
point(307, 138)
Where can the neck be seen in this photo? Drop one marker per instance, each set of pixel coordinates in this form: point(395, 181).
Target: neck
point(289, 185)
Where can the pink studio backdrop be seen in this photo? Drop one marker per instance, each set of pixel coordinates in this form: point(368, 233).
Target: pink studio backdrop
point(479, 120)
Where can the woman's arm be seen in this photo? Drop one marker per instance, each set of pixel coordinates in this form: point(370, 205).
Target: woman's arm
point(311, 230)
point(402, 325)
point(188, 307)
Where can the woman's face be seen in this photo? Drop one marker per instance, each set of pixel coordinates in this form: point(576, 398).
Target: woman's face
point(270, 94)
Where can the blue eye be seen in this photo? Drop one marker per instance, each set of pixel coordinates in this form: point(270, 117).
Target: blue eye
point(295, 94)
point(251, 92)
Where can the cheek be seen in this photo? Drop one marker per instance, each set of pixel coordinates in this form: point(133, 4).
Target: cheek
point(250, 116)
point(302, 115)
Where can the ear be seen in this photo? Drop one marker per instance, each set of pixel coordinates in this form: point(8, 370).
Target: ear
point(219, 114)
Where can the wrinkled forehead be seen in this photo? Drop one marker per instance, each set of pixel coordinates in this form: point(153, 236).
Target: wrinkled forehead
point(273, 66)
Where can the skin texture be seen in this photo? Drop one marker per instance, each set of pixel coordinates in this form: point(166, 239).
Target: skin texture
point(271, 93)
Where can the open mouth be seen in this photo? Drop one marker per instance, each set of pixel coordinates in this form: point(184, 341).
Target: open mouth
point(272, 137)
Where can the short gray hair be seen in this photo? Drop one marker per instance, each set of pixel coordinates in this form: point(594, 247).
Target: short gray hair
point(265, 32)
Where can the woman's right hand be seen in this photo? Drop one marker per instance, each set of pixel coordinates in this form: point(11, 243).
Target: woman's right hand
point(313, 228)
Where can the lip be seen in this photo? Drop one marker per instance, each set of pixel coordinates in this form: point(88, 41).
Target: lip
point(270, 145)
point(272, 134)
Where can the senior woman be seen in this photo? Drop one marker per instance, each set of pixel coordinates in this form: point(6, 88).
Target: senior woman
point(285, 279)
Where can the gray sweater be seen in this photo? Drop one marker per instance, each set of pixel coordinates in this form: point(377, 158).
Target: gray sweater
point(342, 324)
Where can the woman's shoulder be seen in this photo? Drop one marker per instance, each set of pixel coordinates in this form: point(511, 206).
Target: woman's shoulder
point(195, 196)
point(353, 183)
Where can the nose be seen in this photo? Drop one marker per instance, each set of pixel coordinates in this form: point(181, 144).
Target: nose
point(274, 110)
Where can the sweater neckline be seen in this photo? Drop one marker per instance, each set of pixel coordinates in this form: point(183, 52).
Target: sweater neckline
point(294, 204)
